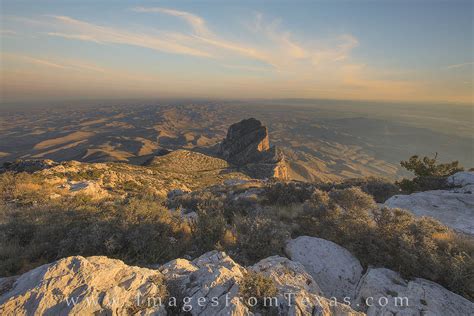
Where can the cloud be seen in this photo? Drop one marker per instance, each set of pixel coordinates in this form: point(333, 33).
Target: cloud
point(197, 23)
point(75, 29)
point(63, 65)
point(459, 65)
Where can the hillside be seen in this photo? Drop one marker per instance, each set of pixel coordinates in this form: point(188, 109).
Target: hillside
point(323, 142)
point(230, 226)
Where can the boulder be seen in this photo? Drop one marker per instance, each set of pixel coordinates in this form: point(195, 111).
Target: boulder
point(461, 179)
point(453, 207)
point(88, 187)
point(385, 292)
point(213, 277)
point(334, 268)
point(82, 286)
point(298, 293)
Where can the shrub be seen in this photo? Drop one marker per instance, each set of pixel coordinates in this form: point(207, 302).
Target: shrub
point(429, 175)
point(379, 188)
point(23, 189)
point(258, 286)
point(258, 237)
point(136, 231)
point(210, 227)
point(286, 193)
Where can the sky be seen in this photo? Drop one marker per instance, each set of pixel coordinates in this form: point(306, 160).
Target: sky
point(360, 50)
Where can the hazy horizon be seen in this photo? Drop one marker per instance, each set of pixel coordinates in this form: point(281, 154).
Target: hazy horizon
point(386, 51)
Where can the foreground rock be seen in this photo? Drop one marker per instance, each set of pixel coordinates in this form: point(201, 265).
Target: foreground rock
point(210, 284)
point(453, 207)
point(334, 268)
point(81, 286)
point(306, 297)
point(247, 145)
point(213, 276)
point(389, 294)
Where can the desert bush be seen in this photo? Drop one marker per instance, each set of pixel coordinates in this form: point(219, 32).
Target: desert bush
point(210, 227)
point(257, 286)
point(379, 188)
point(190, 201)
point(23, 189)
point(258, 237)
point(136, 231)
point(286, 193)
point(429, 174)
point(342, 216)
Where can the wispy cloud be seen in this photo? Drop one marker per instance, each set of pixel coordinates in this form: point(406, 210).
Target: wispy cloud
point(196, 22)
point(80, 30)
point(459, 65)
point(63, 65)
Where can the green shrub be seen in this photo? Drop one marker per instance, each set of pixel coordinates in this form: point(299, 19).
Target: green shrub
point(429, 175)
point(257, 286)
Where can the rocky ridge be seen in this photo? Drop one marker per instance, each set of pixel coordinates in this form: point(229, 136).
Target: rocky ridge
point(211, 286)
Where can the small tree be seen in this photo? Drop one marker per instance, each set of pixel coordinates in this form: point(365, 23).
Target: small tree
point(429, 175)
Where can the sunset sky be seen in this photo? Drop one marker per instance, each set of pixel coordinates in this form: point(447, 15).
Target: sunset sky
point(364, 50)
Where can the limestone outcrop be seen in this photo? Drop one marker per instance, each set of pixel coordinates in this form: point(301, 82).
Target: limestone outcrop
point(385, 292)
point(333, 267)
point(453, 207)
point(210, 285)
point(80, 286)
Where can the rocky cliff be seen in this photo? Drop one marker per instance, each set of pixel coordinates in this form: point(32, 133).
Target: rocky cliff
point(247, 145)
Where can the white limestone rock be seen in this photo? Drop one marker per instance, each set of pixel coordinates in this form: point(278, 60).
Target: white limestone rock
point(98, 285)
point(454, 207)
point(461, 179)
point(390, 294)
point(298, 293)
point(213, 277)
point(334, 268)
